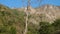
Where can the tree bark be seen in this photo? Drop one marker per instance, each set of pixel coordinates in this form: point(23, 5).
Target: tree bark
point(26, 24)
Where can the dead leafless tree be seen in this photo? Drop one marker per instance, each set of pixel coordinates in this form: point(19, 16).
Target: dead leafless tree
point(27, 11)
point(26, 22)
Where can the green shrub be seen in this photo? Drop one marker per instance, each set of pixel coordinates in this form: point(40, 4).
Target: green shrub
point(56, 25)
point(13, 30)
point(45, 28)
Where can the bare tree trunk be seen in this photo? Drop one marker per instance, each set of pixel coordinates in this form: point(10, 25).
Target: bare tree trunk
point(26, 24)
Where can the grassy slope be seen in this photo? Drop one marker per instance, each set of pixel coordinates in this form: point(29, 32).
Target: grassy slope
point(11, 20)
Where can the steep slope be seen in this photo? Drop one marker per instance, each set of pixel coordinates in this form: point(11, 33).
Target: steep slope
point(51, 12)
point(11, 21)
point(44, 13)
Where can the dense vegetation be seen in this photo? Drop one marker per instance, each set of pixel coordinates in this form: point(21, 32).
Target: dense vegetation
point(10, 20)
point(46, 28)
point(13, 22)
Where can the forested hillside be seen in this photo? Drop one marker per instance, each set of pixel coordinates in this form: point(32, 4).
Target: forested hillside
point(12, 21)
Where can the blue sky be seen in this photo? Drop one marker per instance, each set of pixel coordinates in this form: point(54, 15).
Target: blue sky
point(18, 3)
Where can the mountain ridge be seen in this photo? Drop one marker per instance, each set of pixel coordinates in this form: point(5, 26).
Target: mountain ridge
point(16, 17)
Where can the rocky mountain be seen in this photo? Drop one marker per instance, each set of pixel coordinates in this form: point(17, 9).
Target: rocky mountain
point(13, 20)
point(44, 13)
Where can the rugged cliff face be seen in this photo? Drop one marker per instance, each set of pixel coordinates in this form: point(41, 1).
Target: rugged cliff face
point(44, 13)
